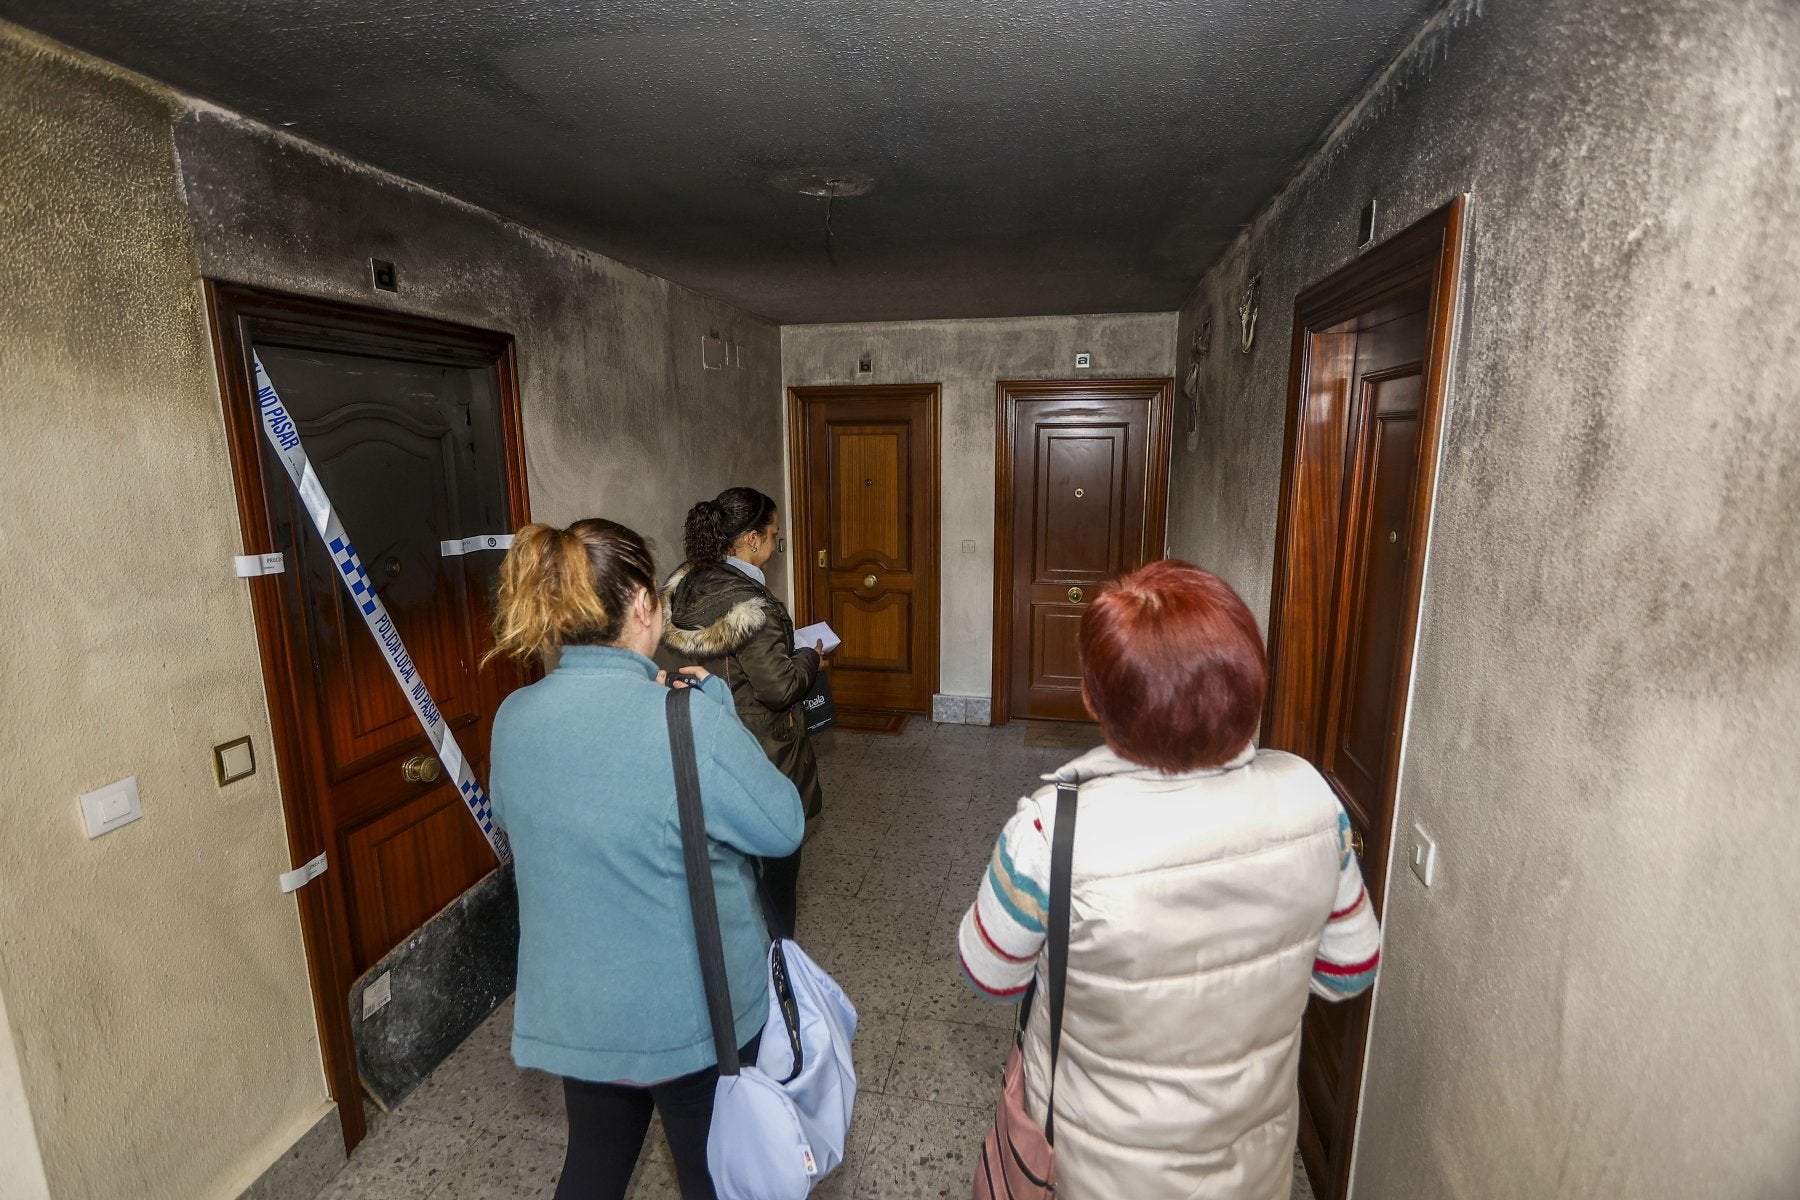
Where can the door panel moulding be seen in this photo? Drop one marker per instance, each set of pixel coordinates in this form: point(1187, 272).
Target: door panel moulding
point(918, 407)
point(1426, 258)
point(1458, 284)
point(1153, 530)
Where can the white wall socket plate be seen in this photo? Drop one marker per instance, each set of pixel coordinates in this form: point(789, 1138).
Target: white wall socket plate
point(105, 809)
point(1424, 856)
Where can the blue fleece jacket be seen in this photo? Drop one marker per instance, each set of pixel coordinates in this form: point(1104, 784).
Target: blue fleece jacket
point(582, 782)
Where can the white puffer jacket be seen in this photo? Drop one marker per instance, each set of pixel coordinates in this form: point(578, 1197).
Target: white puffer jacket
point(1197, 906)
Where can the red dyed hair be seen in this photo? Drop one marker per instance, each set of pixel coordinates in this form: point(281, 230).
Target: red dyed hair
point(1173, 667)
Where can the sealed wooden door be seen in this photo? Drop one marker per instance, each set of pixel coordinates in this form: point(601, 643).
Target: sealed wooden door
point(412, 429)
point(1085, 479)
point(866, 490)
point(408, 453)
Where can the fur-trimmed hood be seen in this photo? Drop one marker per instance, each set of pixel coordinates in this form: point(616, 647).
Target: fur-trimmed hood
point(714, 611)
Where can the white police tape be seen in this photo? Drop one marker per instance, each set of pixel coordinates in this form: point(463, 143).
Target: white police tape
point(305, 873)
point(249, 566)
point(285, 438)
point(469, 545)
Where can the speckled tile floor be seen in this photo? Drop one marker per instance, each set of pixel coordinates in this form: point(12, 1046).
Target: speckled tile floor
point(909, 823)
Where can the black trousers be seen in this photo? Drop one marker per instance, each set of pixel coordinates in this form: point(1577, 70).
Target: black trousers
point(608, 1121)
point(781, 876)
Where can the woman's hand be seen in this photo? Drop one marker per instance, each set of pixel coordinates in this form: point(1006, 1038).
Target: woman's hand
point(824, 654)
point(692, 676)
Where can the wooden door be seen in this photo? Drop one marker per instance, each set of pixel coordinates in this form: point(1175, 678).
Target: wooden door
point(1367, 384)
point(1082, 487)
point(414, 440)
point(1360, 682)
point(866, 519)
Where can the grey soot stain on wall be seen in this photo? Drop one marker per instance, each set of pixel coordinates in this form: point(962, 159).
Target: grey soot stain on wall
point(116, 502)
point(1601, 736)
point(130, 652)
point(620, 418)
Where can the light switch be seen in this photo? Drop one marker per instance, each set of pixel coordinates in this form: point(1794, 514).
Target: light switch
point(107, 808)
point(1424, 856)
point(233, 761)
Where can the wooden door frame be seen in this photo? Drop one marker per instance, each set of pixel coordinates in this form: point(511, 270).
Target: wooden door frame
point(235, 313)
point(1428, 253)
point(1156, 486)
point(800, 499)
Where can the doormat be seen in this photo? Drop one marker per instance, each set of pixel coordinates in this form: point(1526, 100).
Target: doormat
point(866, 720)
point(1063, 735)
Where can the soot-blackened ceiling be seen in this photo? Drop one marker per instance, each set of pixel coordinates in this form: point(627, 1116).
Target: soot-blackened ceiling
point(1027, 156)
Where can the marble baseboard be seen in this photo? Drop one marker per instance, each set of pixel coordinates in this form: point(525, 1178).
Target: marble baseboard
point(304, 1168)
point(961, 710)
point(444, 981)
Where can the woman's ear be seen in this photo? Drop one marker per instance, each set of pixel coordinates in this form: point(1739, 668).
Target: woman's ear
point(645, 604)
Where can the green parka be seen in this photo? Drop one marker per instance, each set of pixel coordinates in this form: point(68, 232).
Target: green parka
point(727, 622)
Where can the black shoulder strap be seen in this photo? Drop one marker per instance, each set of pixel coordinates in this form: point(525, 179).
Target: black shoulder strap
point(700, 880)
point(1062, 857)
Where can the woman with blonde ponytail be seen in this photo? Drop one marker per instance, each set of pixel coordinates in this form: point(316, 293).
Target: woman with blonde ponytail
point(609, 993)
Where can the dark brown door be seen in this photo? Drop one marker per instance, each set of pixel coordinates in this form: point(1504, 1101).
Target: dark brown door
point(866, 491)
point(412, 440)
point(1368, 377)
point(409, 454)
point(1084, 477)
point(1362, 657)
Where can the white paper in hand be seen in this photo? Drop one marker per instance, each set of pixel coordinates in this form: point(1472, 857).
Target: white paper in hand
point(812, 635)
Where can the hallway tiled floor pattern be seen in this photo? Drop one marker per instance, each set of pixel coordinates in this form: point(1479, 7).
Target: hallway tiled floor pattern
point(910, 821)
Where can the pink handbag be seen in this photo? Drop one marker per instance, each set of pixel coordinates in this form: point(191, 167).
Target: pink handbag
point(1018, 1157)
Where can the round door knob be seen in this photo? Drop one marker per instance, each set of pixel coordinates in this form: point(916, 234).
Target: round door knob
point(420, 768)
point(1074, 595)
point(1080, 492)
point(868, 581)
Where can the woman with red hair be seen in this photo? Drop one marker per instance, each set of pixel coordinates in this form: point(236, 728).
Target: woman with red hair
point(1213, 888)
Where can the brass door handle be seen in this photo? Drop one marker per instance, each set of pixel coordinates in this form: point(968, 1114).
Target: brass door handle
point(1356, 843)
point(420, 768)
point(868, 581)
point(1074, 595)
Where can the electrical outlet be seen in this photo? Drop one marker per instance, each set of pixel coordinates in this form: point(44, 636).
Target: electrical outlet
point(968, 545)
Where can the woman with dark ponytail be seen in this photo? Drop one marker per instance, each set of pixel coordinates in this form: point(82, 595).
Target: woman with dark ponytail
point(609, 993)
point(722, 615)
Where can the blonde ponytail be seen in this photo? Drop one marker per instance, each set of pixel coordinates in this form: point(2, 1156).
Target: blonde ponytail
point(573, 586)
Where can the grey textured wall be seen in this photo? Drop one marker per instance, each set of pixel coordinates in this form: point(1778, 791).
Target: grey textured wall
point(158, 972)
point(968, 358)
point(1596, 999)
point(620, 418)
